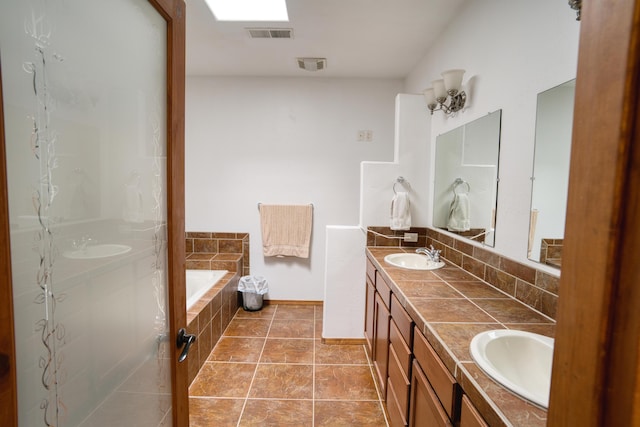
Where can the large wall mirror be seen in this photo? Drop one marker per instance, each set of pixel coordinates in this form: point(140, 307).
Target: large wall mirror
point(466, 179)
point(554, 120)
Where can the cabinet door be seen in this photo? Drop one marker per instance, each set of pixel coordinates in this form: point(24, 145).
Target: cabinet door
point(425, 408)
point(469, 416)
point(369, 316)
point(381, 343)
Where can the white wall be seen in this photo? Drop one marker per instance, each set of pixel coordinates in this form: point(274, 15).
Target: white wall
point(512, 50)
point(282, 140)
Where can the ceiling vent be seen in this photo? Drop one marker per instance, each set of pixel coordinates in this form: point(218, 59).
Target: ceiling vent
point(312, 64)
point(270, 33)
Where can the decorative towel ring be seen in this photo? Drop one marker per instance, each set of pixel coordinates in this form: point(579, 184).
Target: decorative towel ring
point(400, 180)
point(457, 183)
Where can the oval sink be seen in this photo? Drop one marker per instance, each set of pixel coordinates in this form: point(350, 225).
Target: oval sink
point(412, 261)
point(520, 361)
point(98, 251)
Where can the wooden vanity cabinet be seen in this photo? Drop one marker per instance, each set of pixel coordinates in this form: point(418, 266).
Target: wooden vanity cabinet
point(376, 327)
point(416, 386)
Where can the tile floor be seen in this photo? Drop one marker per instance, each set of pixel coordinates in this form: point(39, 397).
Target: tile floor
point(270, 368)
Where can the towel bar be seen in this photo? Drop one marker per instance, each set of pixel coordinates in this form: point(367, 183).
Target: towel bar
point(402, 181)
point(308, 204)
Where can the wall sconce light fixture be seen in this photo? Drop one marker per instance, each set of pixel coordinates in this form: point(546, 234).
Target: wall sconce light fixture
point(448, 87)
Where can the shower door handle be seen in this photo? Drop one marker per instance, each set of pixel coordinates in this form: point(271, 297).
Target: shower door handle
point(186, 340)
point(5, 365)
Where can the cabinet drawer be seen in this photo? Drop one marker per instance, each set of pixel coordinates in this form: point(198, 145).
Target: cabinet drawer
point(403, 351)
point(383, 289)
point(439, 377)
point(469, 416)
point(402, 319)
point(371, 272)
point(400, 383)
point(396, 419)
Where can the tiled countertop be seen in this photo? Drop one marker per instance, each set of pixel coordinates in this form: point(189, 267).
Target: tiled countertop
point(450, 306)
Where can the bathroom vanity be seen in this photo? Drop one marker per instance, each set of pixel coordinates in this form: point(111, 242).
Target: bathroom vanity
point(418, 327)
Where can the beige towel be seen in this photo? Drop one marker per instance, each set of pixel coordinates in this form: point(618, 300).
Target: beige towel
point(286, 230)
point(533, 219)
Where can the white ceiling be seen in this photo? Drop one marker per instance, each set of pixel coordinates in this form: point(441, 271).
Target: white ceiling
point(359, 38)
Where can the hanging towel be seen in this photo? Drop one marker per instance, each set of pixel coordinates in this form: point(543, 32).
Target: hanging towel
point(286, 229)
point(533, 220)
point(400, 211)
point(459, 213)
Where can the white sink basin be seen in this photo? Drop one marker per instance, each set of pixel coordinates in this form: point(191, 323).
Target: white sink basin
point(520, 361)
point(97, 251)
point(412, 261)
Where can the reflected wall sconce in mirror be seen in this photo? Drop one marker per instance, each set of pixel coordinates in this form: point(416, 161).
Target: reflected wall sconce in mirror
point(577, 6)
point(446, 89)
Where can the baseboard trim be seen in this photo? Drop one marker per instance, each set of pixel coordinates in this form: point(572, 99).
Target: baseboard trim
point(344, 341)
point(291, 302)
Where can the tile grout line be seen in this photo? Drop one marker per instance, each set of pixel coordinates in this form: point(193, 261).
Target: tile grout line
point(375, 384)
point(255, 372)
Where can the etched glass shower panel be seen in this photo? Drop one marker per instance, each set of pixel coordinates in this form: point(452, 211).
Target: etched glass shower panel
point(85, 112)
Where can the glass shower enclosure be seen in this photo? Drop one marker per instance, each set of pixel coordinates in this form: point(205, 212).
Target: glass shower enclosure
point(85, 113)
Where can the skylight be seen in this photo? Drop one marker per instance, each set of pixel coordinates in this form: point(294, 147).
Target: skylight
point(249, 10)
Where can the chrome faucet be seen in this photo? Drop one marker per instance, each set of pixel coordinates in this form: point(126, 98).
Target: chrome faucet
point(432, 253)
point(82, 243)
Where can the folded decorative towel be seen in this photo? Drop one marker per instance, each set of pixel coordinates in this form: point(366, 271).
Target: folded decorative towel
point(286, 230)
point(400, 211)
point(459, 213)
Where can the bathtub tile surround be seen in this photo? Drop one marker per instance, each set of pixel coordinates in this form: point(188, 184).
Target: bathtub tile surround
point(535, 288)
point(211, 315)
point(215, 251)
point(551, 252)
point(208, 317)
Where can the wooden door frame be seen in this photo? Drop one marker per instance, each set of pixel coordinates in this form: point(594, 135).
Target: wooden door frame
point(174, 12)
point(595, 368)
point(8, 376)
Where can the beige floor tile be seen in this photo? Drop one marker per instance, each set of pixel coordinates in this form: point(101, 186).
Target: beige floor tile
point(344, 382)
point(292, 329)
point(274, 381)
point(329, 354)
point(237, 349)
point(207, 412)
point(276, 413)
point(240, 327)
point(217, 379)
point(282, 350)
point(348, 413)
point(289, 312)
point(266, 312)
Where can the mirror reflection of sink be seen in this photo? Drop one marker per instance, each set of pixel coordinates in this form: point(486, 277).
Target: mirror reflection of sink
point(520, 361)
point(97, 251)
point(412, 261)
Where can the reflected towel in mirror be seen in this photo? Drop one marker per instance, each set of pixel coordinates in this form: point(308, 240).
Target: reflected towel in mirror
point(459, 214)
